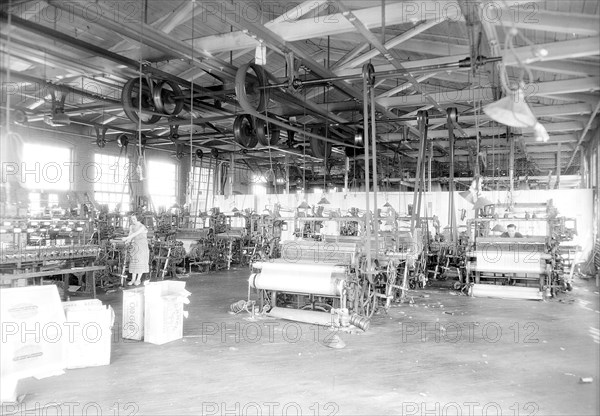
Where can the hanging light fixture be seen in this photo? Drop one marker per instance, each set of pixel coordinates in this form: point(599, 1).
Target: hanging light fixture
point(481, 203)
point(303, 205)
point(467, 195)
point(358, 137)
point(513, 110)
point(260, 54)
point(541, 134)
point(499, 228)
point(323, 201)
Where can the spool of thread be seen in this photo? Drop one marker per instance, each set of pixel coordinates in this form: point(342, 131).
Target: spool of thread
point(360, 321)
point(238, 306)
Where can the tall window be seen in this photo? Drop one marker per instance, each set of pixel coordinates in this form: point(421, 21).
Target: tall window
point(259, 185)
point(46, 167)
point(110, 181)
point(202, 189)
point(162, 183)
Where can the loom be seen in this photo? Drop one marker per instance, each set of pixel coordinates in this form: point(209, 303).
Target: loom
point(311, 281)
point(512, 261)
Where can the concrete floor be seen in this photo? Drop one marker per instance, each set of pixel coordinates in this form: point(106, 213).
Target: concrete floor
point(443, 354)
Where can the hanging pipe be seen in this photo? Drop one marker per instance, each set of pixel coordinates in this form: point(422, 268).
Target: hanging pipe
point(452, 118)
point(374, 150)
point(366, 75)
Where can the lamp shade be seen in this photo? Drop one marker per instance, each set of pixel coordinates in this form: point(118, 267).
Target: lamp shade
point(468, 196)
point(323, 201)
point(499, 228)
point(303, 205)
point(482, 202)
point(511, 110)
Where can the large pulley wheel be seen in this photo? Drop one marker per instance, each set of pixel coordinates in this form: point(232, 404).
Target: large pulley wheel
point(244, 132)
point(167, 98)
point(320, 148)
point(248, 80)
point(130, 98)
point(267, 134)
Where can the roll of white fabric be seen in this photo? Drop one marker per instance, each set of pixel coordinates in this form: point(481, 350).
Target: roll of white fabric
point(315, 279)
point(505, 292)
point(299, 315)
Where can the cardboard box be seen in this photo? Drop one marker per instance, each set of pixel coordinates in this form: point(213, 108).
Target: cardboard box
point(133, 314)
point(88, 339)
point(163, 311)
point(33, 327)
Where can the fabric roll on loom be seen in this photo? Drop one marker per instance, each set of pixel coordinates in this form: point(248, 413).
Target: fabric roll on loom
point(326, 280)
point(505, 292)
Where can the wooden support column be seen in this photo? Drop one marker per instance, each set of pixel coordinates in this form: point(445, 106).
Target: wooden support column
point(287, 174)
point(429, 162)
point(511, 163)
point(346, 175)
point(452, 115)
point(558, 156)
point(583, 168)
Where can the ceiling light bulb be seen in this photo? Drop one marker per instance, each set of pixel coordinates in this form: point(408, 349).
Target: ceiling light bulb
point(541, 134)
point(260, 55)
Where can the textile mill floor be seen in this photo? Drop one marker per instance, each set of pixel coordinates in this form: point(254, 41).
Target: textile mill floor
point(446, 353)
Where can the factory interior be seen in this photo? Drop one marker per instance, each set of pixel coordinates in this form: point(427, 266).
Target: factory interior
point(321, 207)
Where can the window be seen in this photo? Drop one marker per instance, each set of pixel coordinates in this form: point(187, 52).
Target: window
point(200, 181)
point(110, 181)
point(46, 167)
point(259, 185)
point(52, 200)
point(162, 183)
point(35, 206)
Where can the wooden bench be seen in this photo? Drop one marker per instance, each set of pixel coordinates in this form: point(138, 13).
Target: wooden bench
point(89, 270)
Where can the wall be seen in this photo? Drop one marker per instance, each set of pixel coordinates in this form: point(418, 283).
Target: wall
point(573, 203)
point(82, 172)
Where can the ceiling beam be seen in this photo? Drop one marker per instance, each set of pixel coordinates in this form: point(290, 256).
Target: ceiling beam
point(31, 53)
point(587, 128)
point(573, 68)
point(167, 23)
point(151, 37)
point(490, 131)
point(557, 138)
point(486, 94)
point(373, 40)
point(410, 33)
point(550, 21)
point(562, 50)
point(274, 40)
point(538, 111)
point(405, 86)
point(323, 26)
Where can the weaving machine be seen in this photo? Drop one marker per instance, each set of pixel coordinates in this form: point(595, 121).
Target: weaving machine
point(331, 275)
point(516, 262)
point(524, 267)
point(313, 277)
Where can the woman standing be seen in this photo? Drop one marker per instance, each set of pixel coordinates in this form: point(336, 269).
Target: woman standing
point(139, 255)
